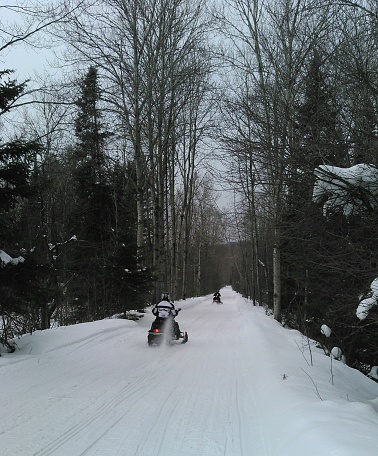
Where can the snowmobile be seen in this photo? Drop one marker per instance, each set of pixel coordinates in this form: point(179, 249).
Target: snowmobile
point(217, 300)
point(165, 330)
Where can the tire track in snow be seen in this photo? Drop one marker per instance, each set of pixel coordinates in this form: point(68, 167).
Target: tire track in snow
point(101, 407)
point(245, 395)
point(107, 408)
point(43, 390)
point(132, 400)
point(210, 416)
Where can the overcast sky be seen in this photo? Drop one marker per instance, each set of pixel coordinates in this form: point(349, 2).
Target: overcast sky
point(25, 60)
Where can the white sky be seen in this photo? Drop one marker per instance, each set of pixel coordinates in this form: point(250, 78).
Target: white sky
point(26, 60)
point(25, 63)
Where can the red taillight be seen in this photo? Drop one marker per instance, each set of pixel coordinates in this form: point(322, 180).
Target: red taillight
point(156, 330)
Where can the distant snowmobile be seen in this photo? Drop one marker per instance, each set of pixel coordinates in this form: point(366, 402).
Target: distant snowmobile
point(166, 329)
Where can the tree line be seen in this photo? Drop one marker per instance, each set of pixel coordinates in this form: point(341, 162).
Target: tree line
point(114, 204)
point(109, 205)
point(304, 94)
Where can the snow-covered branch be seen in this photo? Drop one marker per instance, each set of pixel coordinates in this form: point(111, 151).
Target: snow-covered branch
point(366, 304)
point(350, 190)
point(7, 259)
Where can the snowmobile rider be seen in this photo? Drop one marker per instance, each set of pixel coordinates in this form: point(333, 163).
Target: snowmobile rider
point(217, 296)
point(166, 309)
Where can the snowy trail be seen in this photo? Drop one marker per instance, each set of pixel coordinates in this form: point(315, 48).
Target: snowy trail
point(125, 398)
point(242, 386)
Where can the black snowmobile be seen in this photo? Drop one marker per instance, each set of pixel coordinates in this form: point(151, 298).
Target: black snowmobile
point(166, 329)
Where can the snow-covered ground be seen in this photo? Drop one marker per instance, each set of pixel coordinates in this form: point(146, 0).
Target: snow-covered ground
point(241, 386)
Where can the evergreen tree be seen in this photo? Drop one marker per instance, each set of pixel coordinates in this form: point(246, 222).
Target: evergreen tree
point(15, 159)
point(364, 131)
point(92, 218)
point(106, 277)
point(130, 285)
point(327, 259)
point(17, 281)
point(318, 141)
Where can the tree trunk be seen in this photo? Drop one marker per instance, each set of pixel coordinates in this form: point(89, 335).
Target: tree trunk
point(277, 277)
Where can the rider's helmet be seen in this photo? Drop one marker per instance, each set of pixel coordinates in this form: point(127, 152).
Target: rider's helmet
point(165, 296)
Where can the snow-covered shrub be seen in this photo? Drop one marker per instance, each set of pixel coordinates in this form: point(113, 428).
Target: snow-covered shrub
point(366, 304)
point(326, 330)
point(336, 353)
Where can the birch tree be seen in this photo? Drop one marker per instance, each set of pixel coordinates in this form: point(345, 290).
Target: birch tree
point(144, 52)
point(270, 43)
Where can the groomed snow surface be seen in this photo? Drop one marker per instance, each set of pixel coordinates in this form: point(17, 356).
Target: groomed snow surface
point(242, 386)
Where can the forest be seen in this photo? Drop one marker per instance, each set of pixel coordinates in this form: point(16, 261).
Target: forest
point(111, 166)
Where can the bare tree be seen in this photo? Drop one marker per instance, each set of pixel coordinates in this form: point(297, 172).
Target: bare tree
point(271, 41)
point(23, 22)
point(145, 55)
